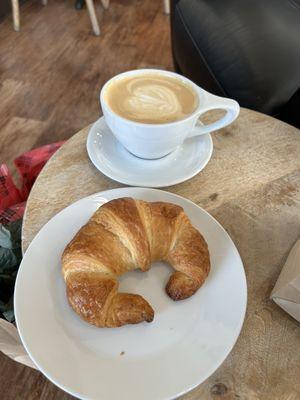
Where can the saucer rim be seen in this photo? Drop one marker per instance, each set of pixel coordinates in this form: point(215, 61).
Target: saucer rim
point(132, 182)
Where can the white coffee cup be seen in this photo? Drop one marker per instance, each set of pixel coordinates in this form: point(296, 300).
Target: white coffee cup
point(152, 141)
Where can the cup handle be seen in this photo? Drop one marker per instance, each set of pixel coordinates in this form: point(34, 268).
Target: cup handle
point(212, 102)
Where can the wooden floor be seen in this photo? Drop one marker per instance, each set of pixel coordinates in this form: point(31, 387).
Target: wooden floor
point(50, 76)
point(51, 72)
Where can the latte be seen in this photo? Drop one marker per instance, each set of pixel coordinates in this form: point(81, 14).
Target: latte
point(151, 98)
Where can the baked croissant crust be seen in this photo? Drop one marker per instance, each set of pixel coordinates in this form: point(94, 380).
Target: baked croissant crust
point(122, 235)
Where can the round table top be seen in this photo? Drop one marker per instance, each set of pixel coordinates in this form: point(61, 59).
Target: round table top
point(252, 187)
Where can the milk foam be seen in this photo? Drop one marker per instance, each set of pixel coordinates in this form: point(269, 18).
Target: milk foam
point(151, 98)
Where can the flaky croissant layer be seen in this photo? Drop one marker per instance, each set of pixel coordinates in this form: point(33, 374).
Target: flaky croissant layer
point(122, 235)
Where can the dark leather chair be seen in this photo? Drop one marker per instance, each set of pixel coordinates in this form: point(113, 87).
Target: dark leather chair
point(246, 50)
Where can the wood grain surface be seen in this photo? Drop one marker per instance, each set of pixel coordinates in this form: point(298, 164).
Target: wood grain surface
point(252, 187)
point(52, 71)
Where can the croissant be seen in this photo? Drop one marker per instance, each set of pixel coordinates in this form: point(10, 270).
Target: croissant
point(122, 235)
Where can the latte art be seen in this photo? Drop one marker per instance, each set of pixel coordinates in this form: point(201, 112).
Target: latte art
point(151, 98)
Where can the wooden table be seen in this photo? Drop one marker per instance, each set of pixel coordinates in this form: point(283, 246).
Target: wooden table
point(252, 187)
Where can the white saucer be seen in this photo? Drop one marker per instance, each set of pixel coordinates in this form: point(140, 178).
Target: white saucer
point(114, 161)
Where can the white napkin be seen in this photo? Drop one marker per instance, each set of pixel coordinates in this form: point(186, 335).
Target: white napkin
point(11, 345)
point(286, 292)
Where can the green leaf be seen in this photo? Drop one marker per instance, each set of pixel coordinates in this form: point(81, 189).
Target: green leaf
point(10, 234)
point(5, 237)
point(7, 310)
point(8, 259)
point(15, 229)
point(7, 283)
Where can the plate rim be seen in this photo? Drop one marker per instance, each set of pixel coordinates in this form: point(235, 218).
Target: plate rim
point(134, 183)
point(238, 329)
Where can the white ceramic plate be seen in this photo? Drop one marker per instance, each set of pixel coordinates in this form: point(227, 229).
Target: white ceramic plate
point(186, 342)
point(114, 161)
